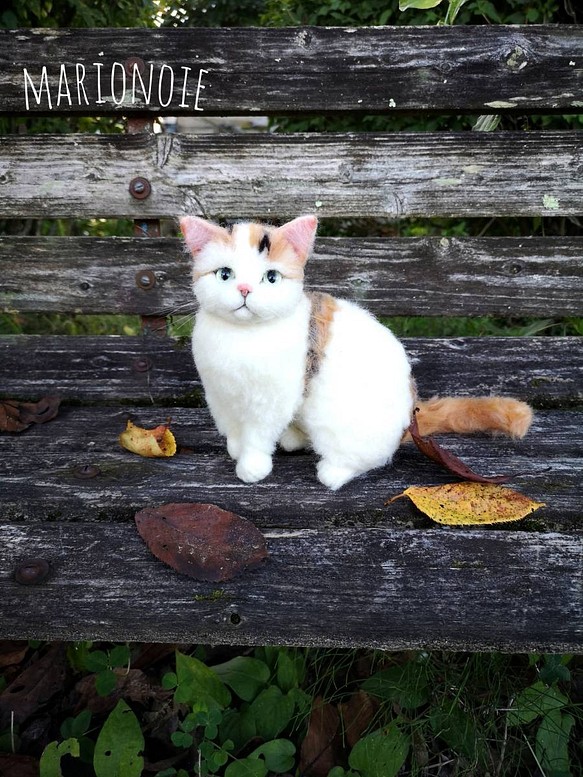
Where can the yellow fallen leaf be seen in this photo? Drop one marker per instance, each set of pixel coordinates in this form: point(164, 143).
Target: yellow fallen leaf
point(157, 442)
point(467, 504)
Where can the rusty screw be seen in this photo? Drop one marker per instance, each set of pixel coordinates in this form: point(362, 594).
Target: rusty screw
point(86, 471)
point(138, 62)
point(140, 188)
point(143, 364)
point(145, 279)
point(32, 571)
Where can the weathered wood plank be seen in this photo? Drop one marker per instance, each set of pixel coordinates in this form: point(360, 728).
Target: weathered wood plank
point(73, 469)
point(408, 276)
point(542, 370)
point(272, 176)
point(481, 69)
point(392, 589)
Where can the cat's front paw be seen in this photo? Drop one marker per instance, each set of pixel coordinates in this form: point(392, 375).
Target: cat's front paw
point(334, 476)
point(253, 466)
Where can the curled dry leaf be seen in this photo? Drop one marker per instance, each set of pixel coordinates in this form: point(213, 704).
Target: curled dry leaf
point(430, 448)
point(201, 540)
point(467, 504)
point(18, 416)
point(151, 443)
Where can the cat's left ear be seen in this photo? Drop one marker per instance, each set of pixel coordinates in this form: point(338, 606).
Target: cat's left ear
point(300, 234)
point(198, 232)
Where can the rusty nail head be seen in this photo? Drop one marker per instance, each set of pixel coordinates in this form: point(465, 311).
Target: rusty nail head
point(138, 61)
point(143, 364)
point(145, 279)
point(87, 471)
point(140, 188)
point(32, 571)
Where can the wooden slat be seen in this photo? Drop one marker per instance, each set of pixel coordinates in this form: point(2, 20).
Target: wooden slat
point(543, 370)
point(483, 69)
point(392, 589)
point(272, 176)
point(44, 474)
point(408, 276)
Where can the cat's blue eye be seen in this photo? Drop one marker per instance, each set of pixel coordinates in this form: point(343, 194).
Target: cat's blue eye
point(272, 276)
point(224, 273)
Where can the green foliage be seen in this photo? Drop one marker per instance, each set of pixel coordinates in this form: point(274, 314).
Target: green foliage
point(77, 13)
point(380, 754)
point(119, 744)
point(247, 716)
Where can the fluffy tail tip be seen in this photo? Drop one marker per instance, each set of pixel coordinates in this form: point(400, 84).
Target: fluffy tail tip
point(518, 417)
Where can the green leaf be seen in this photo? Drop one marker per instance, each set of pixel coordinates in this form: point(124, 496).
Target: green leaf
point(404, 5)
point(245, 676)
point(50, 761)
point(247, 767)
point(119, 744)
point(555, 669)
point(169, 681)
point(120, 656)
point(181, 739)
point(77, 726)
point(380, 754)
point(552, 744)
point(406, 685)
point(457, 728)
point(535, 701)
point(272, 711)
point(96, 661)
point(105, 682)
point(198, 683)
point(290, 670)
point(278, 755)
point(239, 727)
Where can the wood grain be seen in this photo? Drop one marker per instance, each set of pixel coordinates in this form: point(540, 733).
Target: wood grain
point(342, 587)
point(485, 69)
point(275, 176)
point(150, 369)
point(407, 276)
point(73, 469)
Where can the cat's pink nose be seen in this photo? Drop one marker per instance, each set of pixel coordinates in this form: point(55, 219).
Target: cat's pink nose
point(244, 288)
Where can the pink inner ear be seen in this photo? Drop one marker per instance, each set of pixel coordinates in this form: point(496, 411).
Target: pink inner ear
point(198, 232)
point(301, 233)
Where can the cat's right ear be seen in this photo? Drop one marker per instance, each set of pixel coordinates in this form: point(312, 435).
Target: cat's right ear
point(198, 233)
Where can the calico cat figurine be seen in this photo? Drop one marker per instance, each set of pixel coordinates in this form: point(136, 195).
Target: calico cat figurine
point(281, 366)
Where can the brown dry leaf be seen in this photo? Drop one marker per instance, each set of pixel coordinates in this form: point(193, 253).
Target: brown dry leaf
point(132, 684)
point(321, 747)
point(357, 715)
point(17, 416)
point(33, 687)
point(455, 465)
point(201, 540)
point(151, 443)
point(14, 765)
point(468, 504)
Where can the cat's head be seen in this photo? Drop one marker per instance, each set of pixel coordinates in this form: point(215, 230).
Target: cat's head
point(252, 272)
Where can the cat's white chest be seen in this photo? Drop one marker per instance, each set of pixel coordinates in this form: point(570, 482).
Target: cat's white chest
point(252, 366)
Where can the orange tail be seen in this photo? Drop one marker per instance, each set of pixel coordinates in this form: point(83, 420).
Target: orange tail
point(497, 415)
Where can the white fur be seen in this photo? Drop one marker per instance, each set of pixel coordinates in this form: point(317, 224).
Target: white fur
point(252, 363)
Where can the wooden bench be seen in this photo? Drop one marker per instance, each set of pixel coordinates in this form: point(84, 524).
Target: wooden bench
point(344, 570)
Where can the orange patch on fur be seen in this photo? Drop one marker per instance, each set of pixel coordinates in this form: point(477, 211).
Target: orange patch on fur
point(323, 309)
point(282, 254)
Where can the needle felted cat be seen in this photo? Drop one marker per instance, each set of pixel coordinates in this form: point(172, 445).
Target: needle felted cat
point(283, 366)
